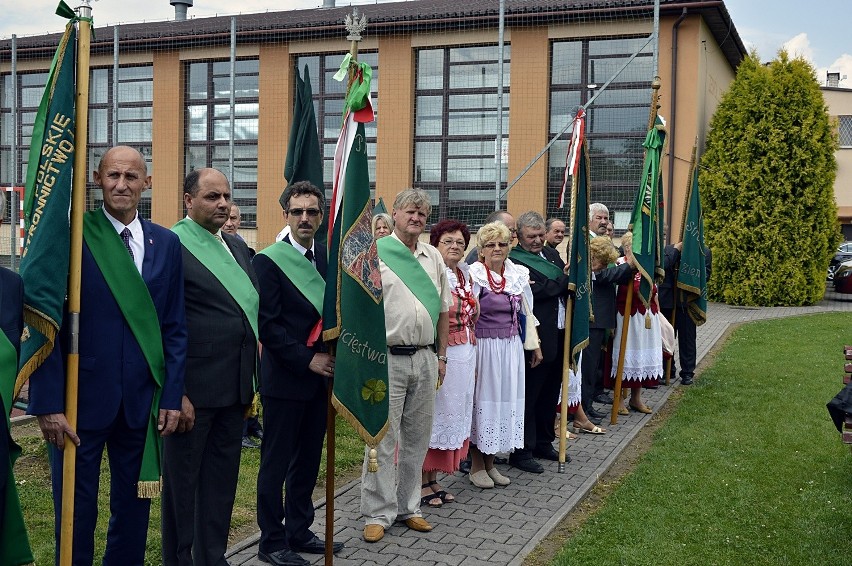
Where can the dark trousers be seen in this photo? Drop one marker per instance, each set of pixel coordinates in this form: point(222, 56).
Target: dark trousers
point(289, 458)
point(592, 378)
point(543, 384)
point(200, 471)
point(686, 336)
point(128, 523)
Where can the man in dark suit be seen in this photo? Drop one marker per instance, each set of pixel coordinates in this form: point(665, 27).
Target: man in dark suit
point(604, 279)
point(117, 398)
point(202, 459)
point(251, 426)
point(684, 325)
point(550, 290)
point(295, 368)
point(14, 544)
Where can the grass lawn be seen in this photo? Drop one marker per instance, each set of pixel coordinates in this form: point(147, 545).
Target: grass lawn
point(33, 477)
point(748, 470)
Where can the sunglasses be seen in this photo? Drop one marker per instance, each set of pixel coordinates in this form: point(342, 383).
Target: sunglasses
point(312, 212)
point(491, 245)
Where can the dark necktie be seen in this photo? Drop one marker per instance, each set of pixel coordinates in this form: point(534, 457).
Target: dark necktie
point(309, 255)
point(125, 237)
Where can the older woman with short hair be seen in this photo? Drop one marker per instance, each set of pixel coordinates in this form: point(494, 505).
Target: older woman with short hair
point(381, 225)
point(449, 443)
point(498, 400)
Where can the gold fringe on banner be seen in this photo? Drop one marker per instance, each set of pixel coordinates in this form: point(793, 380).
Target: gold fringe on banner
point(149, 489)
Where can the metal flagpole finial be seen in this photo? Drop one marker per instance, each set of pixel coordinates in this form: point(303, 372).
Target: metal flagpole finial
point(355, 25)
point(84, 10)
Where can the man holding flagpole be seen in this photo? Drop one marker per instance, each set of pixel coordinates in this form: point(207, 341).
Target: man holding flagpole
point(295, 369)
point(132, 354)
point(202, 460)
point(417, 302)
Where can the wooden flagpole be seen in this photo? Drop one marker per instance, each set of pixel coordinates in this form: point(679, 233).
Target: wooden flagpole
point(566, 369)
point(354, 26)
point(78, 207)
point(628, 304)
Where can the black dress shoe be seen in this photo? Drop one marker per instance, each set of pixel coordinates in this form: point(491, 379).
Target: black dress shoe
point(526, 465)
point(249, 443)
point(686, 380)
point(603, 398)
point(464, 466)
point(546, 453)
point(283, 557)
point(316, 546)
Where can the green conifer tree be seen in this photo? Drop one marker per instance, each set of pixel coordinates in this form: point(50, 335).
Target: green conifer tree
point(767, 186)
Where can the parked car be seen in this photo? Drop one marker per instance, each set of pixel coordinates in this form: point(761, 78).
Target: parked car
point(843, 277)
point(844, 253)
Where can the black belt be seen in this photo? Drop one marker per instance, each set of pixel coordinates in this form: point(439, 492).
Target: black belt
point(406, 350)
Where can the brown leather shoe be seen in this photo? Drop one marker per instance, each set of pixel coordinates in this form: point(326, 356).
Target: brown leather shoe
point(418, 524)
point(374, 533)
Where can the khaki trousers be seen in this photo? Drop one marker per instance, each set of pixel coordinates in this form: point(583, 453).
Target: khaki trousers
point(393, 493)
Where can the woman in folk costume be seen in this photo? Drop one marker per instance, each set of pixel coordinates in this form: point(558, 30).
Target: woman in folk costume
point(498, 400)
point(643, 355)
point(453, 412)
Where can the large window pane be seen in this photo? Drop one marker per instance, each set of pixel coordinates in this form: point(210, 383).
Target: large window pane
point(430, 69)
point(6, 91)
point(98, 126)
point(601, 70)
point(197, 123)
point(134, 132)
point(617, 120)
point(197, 87)
point(99, 86)
point(430, 115)
point(566, 64)
point(427, 162)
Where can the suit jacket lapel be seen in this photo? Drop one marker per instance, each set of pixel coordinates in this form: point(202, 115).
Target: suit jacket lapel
point(149, 245)
point(241, 259)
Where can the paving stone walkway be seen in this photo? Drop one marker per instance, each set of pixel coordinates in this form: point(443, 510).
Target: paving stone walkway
point(503, 525)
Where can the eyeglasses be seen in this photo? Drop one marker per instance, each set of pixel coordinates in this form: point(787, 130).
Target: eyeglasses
point(492, 245)
point(312, 212)
point(451, 243)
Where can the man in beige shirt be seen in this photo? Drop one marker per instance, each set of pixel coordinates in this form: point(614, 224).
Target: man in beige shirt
point(417, 326)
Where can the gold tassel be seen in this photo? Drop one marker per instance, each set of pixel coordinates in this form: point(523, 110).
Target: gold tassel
point(373, 462)
point(149, 489)
point(647, 321)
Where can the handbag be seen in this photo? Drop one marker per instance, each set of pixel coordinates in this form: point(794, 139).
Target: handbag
point(529, 333)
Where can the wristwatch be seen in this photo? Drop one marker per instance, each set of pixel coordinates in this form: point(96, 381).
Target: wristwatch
point(442, 359)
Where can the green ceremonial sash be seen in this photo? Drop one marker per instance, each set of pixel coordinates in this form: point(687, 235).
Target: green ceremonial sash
point(301, 272)
point(536, 262)
point(210, 252)
point(402, 262)
point(130, 292)
point(14, 544)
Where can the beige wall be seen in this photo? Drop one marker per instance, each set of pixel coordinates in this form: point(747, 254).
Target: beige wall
point(276, 110)
point(839, 102)
point(167, 143)
point(528, 119)
point(395, 128)
point(703, 75)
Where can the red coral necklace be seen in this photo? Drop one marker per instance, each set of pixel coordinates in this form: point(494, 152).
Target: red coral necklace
point(496, 287)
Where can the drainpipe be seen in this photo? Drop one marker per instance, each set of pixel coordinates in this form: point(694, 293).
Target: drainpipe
point(673, 126)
